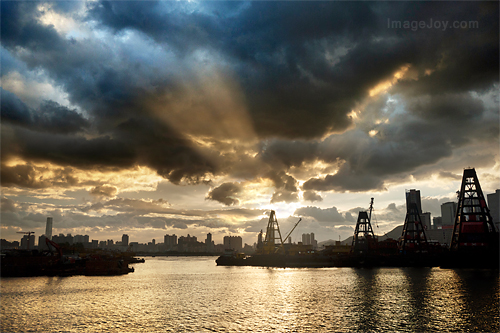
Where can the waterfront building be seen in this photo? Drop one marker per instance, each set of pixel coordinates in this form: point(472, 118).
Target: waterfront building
point(413, 196)
point(41, 243)
point(209, 243)
point(233, 242)
point(60, 239)
point(28, 242)
point(493, 205)
point(48, 228)
point(125, 240)
point(308, 239)
point(437, 222)
point(84, 239)
point(448, 211)
point(426, 220)
point(169, 242)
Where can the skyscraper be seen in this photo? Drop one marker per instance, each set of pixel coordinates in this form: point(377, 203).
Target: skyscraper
point(448, 211)
point(413, 196)
point(48, 228)
point(125, 239)
point(493, 205)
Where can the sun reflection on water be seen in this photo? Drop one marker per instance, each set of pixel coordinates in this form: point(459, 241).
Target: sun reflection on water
point(192, 294)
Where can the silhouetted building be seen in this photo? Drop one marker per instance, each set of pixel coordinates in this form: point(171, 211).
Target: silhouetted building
point(169, 242)
point(42, 245)
point(84, 239)
point(48, 228)
point(493, 205)
point(426, 220)
point(209, 243)
point(61, 239)
point(233, 242)
point(125, 240)
point(308, 239)
point(413, 196)
point(437, 222)
point(28, 242)
point(187, 242)
point(448, 211)
point(5, 245)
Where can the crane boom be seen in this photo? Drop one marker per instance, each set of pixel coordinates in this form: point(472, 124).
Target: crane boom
point(296, 224)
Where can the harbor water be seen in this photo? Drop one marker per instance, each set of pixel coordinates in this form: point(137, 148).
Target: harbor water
point(192, 294)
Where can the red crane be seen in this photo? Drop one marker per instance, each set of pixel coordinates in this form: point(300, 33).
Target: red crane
point(29, 236)
point(56, 246)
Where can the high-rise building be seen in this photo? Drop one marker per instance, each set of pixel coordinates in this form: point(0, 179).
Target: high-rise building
point(209, 243)
point(48, 228)
point(233, 242)
point(41, 243)
point(170, 241)
point(493, 205)
point(28, 242)
point(448, 211)
point(437, 222)
point(426, 220)
point(308, 239)
point(413, 196)
point(84, 239)
point(125, 240)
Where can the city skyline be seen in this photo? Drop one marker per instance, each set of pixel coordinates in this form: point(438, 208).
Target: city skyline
point(153, 118)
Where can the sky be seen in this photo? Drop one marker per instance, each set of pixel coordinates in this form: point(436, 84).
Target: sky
point(192, 117)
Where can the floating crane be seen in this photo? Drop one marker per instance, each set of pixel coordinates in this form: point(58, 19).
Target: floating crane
point(29, 235)
point(273, 233)
point(364, 238)
point(287, 236)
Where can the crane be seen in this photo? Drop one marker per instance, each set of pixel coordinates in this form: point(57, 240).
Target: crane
point(29, 235)
point(56, 246)
point(296, 224)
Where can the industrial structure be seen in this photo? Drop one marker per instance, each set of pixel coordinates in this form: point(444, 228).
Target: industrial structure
point(474, 228)
point(413, 239)
point(364, 240)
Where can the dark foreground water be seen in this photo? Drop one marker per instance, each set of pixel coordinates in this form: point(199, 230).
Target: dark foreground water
point(192, 294)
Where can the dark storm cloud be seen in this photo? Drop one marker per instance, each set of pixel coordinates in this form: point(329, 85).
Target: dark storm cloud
point(302, 67)
point(225, 193)
point(49, 117)
point(436, 126)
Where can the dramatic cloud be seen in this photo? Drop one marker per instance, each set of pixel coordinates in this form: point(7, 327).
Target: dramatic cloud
point(225, 194)
point(104, 191)
point(249, 104)
point(331, 215)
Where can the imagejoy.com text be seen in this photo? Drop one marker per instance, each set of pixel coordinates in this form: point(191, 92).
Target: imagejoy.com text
point(431, 24)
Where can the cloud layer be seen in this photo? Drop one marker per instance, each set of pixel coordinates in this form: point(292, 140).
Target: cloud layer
point(300, 99)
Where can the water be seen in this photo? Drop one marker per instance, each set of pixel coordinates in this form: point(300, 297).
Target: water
point(175, 294)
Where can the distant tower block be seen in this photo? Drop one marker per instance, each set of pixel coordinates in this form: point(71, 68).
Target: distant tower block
point(473, 228)
point(48, 228)
point(272, 234)
point(364, 238)
point(413, 239)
